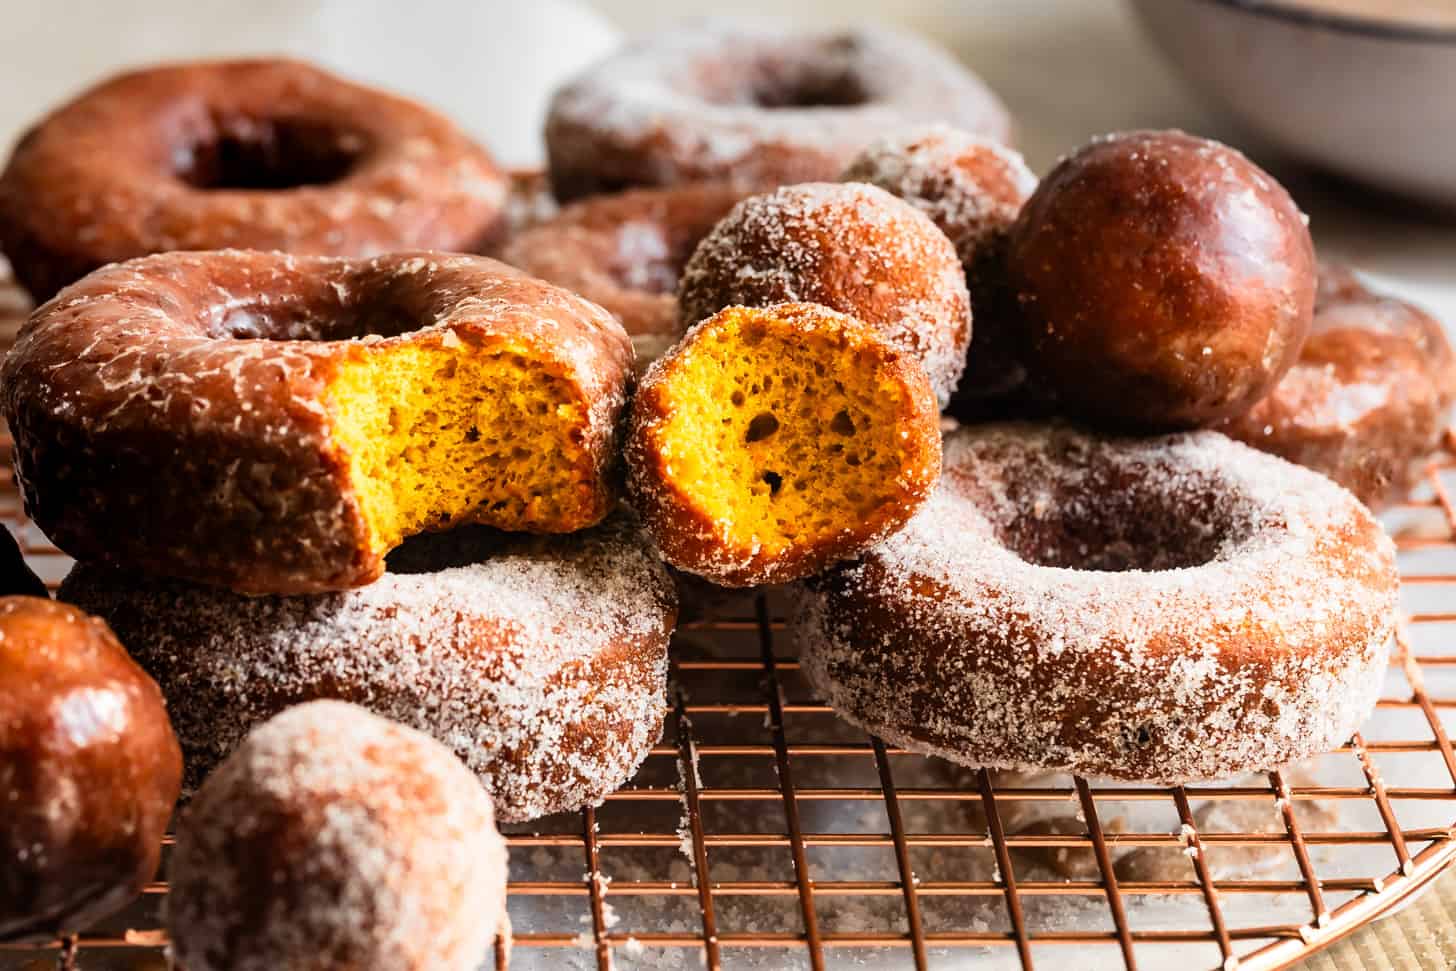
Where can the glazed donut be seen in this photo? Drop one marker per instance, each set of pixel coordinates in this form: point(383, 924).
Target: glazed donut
point(1369, 397)
point(972, 188)
point(541, 661)
point(334, 840)
point(253, 154)
point(773, 442)
point(89, 771)
point(755, 104)
point(852, 248)
point(276, 424)
point(626, 252)
point(1167, 282)
point(1132, 608)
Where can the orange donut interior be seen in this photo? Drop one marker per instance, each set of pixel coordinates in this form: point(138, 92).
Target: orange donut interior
point(444, 432)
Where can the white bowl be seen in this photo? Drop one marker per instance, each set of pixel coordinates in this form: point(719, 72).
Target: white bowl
point(1371, 99)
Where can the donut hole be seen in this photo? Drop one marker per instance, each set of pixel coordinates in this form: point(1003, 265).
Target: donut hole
point(438, 434)
point(823, 89)
point(1107, 518)
point(786, 432)
point(268, 154)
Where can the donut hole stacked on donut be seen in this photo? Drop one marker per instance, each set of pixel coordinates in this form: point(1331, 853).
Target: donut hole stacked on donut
point(440, 432)
point(780, 434)
point(246, 152)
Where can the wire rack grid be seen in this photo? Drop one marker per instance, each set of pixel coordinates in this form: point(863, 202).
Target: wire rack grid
point(721, 853)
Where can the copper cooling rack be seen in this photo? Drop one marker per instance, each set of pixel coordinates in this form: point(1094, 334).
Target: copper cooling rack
point(763, 832)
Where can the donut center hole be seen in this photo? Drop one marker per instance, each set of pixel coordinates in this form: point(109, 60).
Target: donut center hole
point(787, 434)
point(810, 91)
point(1114, 519)
point(268, 155)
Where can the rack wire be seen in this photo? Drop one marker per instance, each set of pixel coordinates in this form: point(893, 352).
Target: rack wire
point(722, 851)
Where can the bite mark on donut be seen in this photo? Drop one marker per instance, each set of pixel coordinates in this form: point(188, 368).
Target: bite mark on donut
point(443, 432)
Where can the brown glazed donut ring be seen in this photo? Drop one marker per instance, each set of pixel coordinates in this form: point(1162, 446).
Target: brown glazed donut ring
point(626, 252)
point(264, 422)
point(1167, 281)
point(334, 840)
point(250, 154)
point(1133, 608)
point(542, 661)
point(1369, 397)
point(89, 771)
point(757, 104)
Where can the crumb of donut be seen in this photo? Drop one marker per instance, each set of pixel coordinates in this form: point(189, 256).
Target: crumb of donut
point(790, 426)
point(439, 433)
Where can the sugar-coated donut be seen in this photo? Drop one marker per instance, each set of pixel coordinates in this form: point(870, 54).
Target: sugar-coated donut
point(758, 104)
point(388, 396)
point(972, 188)
point(334, 840)
point(248, 154)
point(626, 252)
point(773, 442)
point(1166, 280)
point(853, 248)
point(1369, 398)
point(89, 771)
point(541, 661)
point(1132, 608)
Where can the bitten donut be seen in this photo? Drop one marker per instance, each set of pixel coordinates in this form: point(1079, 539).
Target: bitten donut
point(972, 188)
point(1166, 281)
point(89, 771)
point(542, 661)
point(276, 424)
point(850, 247)
point(626, 253)
point(1132, 608)
point(1369, 397)
point(755, 104)
point(252, 154)
point(773, 442)
point(333, 840)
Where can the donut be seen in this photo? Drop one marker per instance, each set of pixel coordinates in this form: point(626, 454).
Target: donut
point(1139, 609)
point(276, 424)
point(89, 771)
point(335, 840)
point(1369, 398)
point(248, 154)
point(1167, 282)
point(773, 442)
point(755, 104)
point(541, 661)
point(972, 188)
point(853, 248)
point(626, 253)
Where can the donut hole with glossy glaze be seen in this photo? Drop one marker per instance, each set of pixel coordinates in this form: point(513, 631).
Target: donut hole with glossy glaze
point(788, 434)
point(251, 153)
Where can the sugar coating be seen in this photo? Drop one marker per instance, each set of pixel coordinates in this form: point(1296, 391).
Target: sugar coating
point(969, 185)
point(1267, 646)
point(541, 662)
point(335, 839)
point(853, 248)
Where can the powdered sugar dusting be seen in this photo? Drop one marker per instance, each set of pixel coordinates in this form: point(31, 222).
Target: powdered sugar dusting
point(540, 661)
point(1234, 616)
point(334, 832)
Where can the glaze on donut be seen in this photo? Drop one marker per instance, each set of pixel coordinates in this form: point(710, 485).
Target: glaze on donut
point(541, 662)
point(249, 154)
point(1167, 282)
point(626, 253)
point(972, 188)
point(334, 840)
point(276, 424)
point(1369, 398)
point(850, 247)
point(755, 104)
point(1132, 608)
